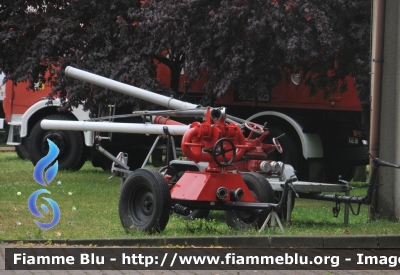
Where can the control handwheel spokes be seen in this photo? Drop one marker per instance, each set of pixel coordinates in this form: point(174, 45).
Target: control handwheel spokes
point(254, 127)
point(278, 146)
point(224, 147)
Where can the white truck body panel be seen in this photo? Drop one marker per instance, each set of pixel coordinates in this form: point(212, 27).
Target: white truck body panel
point(21, 120)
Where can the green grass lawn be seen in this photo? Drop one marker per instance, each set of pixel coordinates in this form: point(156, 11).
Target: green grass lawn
point(88, 202)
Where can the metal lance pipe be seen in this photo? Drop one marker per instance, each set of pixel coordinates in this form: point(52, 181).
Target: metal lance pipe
point(215, 113)
point(131, 128)
point(136, 92)
point(129, 90)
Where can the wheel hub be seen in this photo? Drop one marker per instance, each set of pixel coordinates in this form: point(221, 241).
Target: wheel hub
point(55, 137)
point(147, 203)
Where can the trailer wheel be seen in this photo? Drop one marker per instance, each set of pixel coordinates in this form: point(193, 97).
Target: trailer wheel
point(263, 192)
point(145, 201)
point(73, 153)
point(22, 149)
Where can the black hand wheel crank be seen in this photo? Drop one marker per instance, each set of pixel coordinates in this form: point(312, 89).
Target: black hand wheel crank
point(220, 149)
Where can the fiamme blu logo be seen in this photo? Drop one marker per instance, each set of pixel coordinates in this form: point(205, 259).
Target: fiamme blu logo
point(44, 177)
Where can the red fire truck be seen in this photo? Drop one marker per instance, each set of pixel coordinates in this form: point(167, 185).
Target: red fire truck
point(323, 138)
point(22, 112)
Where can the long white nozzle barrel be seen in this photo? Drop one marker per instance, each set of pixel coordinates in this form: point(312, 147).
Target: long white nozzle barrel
point(136, 92)
point(126, 89)
point(132, 128)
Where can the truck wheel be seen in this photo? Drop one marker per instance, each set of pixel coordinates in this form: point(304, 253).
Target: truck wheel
point(3, 136)
point(360, 173)
point(332, 173)
point(22, 149)
point(292, 152)
point(144, 201)
point(136, 157)
point(247, 219)
point(342, 161)
point(73, 153)
point(98, 160)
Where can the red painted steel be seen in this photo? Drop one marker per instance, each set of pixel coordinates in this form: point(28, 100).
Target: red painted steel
point(198, 186)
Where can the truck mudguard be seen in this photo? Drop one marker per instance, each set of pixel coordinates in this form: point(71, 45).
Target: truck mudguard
point(77, 112)
point(311, 143)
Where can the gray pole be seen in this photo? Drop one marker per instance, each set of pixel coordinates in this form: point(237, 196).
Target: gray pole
point(389, 136)
point(378, 29)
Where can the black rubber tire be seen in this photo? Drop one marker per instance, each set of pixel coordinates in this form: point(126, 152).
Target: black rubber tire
point(144, 201)
point(71, 144)
point(99, 160)
point(263, 192)
point(22, 149)
point(3, 136)
point(332, 173)
point(136, 157)
point(360, 173)
point(157, 158)
point(292, 152)
point(343, 160)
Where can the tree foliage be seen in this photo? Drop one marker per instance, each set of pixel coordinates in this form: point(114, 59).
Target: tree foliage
point(247, 45)
point(91, 35)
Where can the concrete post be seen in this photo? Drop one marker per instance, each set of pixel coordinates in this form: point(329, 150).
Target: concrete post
point(389, 145)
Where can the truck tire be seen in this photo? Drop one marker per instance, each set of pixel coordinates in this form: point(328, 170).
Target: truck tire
point(73, 153)
point(22, 149)
point(136, 156)
point(99, 160)
point(263, 192)
point(3, 136)
point(292, 151)
point(360, 173)
point(343, 160)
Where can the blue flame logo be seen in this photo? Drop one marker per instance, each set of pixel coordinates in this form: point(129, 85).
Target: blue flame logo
point(44, 162)
point(32, 206)
point(50, 173)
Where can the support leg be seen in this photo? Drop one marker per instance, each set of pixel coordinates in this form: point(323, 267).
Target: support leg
point(273, 216)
